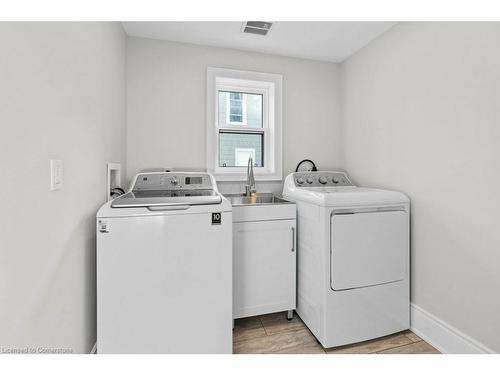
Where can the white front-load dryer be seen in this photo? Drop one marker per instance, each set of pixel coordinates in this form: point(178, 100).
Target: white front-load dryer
point(353, 258)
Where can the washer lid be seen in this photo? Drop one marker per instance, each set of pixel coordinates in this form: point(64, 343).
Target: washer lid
point(152, 198)
point(153, 189)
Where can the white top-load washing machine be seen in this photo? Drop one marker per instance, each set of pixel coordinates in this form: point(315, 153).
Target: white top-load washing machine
point(353, 257)
point(164, 267)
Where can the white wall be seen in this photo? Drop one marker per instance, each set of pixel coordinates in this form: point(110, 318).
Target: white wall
point(62, 95)
point(421, 114)
point(166, 101)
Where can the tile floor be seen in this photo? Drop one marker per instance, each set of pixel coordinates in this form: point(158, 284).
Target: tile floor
point(274, 334)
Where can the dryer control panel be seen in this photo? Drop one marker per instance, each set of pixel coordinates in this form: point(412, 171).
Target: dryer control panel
point(321, 179)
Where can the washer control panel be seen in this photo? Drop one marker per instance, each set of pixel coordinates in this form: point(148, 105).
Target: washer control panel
point(316, 179)
point(172, 181)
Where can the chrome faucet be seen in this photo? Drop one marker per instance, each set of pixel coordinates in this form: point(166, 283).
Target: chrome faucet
point(250, 189)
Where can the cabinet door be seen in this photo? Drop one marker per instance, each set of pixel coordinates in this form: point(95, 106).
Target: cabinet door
point(264, 270)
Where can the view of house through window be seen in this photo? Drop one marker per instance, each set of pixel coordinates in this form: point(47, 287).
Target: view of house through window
point(242, 155)
point(241, 132)
point(236, 108)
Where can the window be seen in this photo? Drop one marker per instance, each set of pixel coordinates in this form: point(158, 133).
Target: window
point(240, 127)
point(243, 120)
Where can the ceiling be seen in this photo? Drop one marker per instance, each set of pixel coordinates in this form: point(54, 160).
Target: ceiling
point(325, 41)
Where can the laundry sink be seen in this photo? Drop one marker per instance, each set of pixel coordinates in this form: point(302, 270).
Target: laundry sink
point(263, 206)
point(259, 199)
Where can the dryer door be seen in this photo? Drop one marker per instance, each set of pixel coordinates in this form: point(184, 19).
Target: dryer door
point(368, 248)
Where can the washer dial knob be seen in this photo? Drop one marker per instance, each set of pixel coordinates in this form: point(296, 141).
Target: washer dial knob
point(323, 180)
point(335, 181)
point(173, 181)
point(309, 180)
point(300, 180)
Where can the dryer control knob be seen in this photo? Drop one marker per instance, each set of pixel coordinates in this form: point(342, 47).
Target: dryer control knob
point(173, 181)
point(309, 180)
point(335, 181)
point(323, 180)
point(300, 180)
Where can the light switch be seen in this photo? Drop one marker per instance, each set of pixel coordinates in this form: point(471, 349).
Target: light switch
point(56, 174)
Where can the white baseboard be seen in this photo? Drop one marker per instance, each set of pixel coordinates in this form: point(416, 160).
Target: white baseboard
point(441, 335)
point(94, 349)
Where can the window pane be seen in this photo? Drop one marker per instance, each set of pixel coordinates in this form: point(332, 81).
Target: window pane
point(235, 148)
point(239, 109)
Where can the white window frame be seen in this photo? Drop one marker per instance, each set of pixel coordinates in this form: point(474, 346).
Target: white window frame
point(270, 86)
point(243, 110)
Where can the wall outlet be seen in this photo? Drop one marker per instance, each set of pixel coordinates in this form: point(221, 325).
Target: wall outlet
point(113, 178)
point(56, 174)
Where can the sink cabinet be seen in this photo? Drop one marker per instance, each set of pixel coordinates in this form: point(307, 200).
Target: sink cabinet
point(264, 259)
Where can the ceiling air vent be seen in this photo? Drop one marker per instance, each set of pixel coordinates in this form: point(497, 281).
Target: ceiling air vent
point(256, 27)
